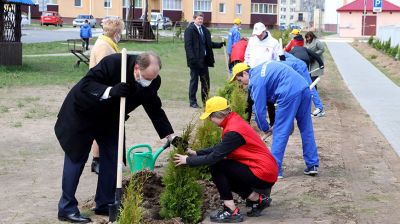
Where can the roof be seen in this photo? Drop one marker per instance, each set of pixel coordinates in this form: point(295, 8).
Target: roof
point(358, 5)
point(24, 2)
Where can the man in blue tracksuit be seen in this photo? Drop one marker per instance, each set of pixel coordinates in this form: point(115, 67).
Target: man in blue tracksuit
point(301, 67)
point(86, 34)
point(276, 82)
point(233, 38)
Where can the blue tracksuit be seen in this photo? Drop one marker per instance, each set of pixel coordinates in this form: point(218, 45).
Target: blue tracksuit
point(278, 83)
point(86, 31)
point(301, 67)
point(233, 37)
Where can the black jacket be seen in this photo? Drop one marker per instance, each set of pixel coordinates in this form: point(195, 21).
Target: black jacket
point(306, 55)
point(195, 51)
point(84, 114)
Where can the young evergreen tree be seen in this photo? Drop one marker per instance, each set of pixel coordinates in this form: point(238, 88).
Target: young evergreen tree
point(182, 195)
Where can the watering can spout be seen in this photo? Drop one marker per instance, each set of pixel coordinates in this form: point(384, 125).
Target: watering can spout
point(159, 151)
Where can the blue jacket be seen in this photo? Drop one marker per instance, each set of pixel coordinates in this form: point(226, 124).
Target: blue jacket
point(233, 37)
point(86, 31)
point(274, 82)
point(298, 65)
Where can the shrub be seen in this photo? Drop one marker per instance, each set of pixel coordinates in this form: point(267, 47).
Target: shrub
point(370, 40)
point(386, 46)
point(393, 51)
point(182, 195)
point(131, 209)
point(373, 56)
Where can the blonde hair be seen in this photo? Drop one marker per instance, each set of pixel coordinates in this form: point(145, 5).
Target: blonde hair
point(112, 26)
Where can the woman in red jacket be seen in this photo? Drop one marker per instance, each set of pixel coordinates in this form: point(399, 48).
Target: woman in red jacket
point(297, 40)
point(239, 163)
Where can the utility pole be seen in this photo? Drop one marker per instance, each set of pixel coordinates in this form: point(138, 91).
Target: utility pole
point(365, 15)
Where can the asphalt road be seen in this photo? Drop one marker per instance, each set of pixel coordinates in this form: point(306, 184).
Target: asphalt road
point(38, 35)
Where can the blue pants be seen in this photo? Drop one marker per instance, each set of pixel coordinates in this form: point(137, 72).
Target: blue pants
point(316, 100)
point(106, 183)
point(287, 111)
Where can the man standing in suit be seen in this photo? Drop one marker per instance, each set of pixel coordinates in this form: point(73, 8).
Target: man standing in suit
point(91, 111)
point(199, 56)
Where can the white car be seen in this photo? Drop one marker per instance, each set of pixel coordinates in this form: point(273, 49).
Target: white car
point(80, 20)
point(156, 19)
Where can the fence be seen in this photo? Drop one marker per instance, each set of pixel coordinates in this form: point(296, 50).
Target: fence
point(389, 32)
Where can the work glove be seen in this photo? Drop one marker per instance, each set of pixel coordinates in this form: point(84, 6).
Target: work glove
point(178, 141)
point(282, 57)
point(120, 90)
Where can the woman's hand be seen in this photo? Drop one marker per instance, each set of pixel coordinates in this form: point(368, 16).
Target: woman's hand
point(191, 152)
point(180, 159)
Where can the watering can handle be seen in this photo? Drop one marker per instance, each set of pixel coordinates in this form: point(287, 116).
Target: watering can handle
point(167, 144)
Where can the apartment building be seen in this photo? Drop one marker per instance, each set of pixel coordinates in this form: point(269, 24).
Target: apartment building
point(217, 13)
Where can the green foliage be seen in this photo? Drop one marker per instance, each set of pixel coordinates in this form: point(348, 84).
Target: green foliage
point(377, 44)
point(386, 46)
point(182, 195)
point(238, 101)
point(370, 40)
point(226, 90)
point(132, 209)
point(393, 51)
point(373, 56)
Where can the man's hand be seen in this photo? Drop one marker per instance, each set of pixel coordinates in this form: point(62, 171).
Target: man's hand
point(180, 159)
point(191, 152)
point(178, 141)
point(120, 90)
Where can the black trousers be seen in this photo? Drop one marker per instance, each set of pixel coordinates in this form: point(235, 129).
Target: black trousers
point(195, 74)
point(85, 44)
point(270, 108)
point(231, 176)
point(106, 183)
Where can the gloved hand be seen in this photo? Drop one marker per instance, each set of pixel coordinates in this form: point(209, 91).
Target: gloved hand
point(120, 90)
point(178, 141)
point(282, 57)
point(321, 67)
point(223, 43)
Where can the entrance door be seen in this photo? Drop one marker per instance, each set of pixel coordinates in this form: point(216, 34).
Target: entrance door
point(370, 26)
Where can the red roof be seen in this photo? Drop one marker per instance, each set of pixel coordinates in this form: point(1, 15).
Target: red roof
point(358, 5)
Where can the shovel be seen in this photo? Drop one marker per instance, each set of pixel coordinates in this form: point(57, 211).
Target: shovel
point(114, 208)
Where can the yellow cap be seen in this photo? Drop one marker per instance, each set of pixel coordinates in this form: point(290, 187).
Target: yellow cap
point(238, 68)
point(214, 104)
point(237, 21)
point(295, 31)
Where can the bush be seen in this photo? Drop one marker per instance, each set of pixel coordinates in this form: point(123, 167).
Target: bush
point(393, 51)
point(386, 46)
point(370, 40)
point(182, 195)
point(373, 56)
point(131, 209)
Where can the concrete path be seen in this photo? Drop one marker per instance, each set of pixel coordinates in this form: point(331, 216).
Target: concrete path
point(377, 94)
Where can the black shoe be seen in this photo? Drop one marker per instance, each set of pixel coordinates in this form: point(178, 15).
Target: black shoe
point(195, 105)
point(74, 217)
point(312, 171)
point(257, 206)
point(105, 212)
point(95, 166)
point(227, 216)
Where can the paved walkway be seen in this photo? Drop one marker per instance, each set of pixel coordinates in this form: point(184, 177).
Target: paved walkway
point(377, 94)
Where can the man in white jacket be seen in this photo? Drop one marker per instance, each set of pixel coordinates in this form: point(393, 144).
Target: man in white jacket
point(262, 47)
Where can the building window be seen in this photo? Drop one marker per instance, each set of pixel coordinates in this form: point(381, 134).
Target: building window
point(292, 2)
point(222, 7)
point(138, 4)
point(202, 5)
point(283, 1)
point(300, 17)
point(264, 8)
point(78, 3)
point(172, 4)
point(291, 17)
point(107, 4)
point(238, 8)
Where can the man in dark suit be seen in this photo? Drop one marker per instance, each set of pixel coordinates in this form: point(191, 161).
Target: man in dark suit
point(199, 56)
point(91, 111)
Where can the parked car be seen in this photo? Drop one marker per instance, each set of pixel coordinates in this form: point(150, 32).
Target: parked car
point(108, 17)
point(51, 18)
point(80, 20)
point(158, 19)
point(167, 23)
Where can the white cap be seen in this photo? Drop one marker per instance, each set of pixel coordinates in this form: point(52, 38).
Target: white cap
point(258, 28)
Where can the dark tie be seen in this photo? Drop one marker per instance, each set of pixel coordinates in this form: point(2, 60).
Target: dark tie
point(201, 33)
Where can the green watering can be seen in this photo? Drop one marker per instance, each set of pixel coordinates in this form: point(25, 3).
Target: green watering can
point(143, 160)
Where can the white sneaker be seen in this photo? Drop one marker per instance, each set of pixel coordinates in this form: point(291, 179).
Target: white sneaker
point(318, 113)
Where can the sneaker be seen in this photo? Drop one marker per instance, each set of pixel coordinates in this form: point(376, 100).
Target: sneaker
point(318, 113)
point(280, 177)
point(257, 206)
point(312, 171)
point(227, 216)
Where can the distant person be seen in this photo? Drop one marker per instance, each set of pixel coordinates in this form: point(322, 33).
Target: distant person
point(106, 44)
point(278, 83)
point(199, 56)
point(91, 111)
point(313, 44)
point(233, 38)
point(86, 34)
point(297, 40)
point(240, 163)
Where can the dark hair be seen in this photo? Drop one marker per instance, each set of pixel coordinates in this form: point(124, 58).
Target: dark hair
point(310, 34)
point(197, 14)
point(145, 59)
